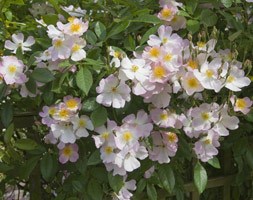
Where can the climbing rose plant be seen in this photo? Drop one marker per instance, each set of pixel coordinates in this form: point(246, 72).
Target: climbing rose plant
point(128, 100)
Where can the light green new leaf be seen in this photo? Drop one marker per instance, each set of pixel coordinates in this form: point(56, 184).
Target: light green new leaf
point(100, 30)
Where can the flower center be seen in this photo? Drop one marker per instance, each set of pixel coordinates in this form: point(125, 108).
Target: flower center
point(127, 136)
point(67, 151)
point(58, 43)
point(76, 48)
point(192, 83)
point(82, 123)
point(159, 72)
point(166, 12)
point(207, 141)
point(12, 69)
point(172, 137)
point(167, 57)
point(134, 68)
point(105, 135)
point(154, 52)
point(230, 79)
point(192, 64)
point(205, 116)
point(75, 27)
point(108, 150)
point(51, 111)
point(71, 103)
point(164, 116)
point(240, 103)
point(201, 44)
point(209, 73)
point(64, 113)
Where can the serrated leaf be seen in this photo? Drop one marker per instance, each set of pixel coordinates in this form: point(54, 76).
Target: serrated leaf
point(42, 75)
point(84, 80)
point(200, 177)
point(99, 117)
point(167, 178)
point(25, 144)
point(151, 191)
point(116, 182)
point(94, 158)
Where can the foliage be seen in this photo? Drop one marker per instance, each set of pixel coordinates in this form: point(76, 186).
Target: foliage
point(85, 102)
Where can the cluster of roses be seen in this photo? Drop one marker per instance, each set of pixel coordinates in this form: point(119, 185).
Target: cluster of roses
point(66, 126)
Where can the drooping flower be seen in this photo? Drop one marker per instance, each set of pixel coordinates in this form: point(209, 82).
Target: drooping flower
point(124, 193)
point(112, 92)
point(18, 41)
point(69, 153)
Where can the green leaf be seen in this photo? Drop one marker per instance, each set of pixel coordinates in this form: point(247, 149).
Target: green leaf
point(208, 17)
point(249, 156)
point(167, 178)
point(116, 182)
point(94, 158)
point(100, 30)
point(146, 18)
point(200, 177)
point(4, 167)
point(26, 169)
point(235, 35)
point(214, 162)
point(50, 19)
point(7, 114)
point(118, 28)
point(129, 43)
point(141, 186)
point(31, 85)
point(48, 166)
point(90, 105)
point(42, 75)
point(95, 190)
point(77, 185)
point(149, 32)
point(191, 6)
point(25, 144)
point(151, 191)
point(192, 26)
point(91, 37)
point(84, 80)
point(227, 3)
point(9, 133)
point(99, 117)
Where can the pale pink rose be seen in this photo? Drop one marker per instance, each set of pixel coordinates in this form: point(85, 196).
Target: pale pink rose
point(69, 153)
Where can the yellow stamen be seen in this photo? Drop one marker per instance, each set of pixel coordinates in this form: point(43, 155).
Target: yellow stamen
point(58, 43)
point(127, 136)
point(75, 27)
point(154, 52)
point(82, 123)
point(205, 116)
point(159, 72)
point(230, 79)
point(108, 150)
point(208, 141)
point(209, 73)
point(192, 64)
point(12, 69)
point(76, 48)
point(166, 12)
point(51, 111)
point(241, 103)
point(71, 103)
point(105, 135)
point(67, 151)
point(201, 44)
point(172, 137)
point(164, 116)
point(134, 68)
point(192, 83)
point(167, 57)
